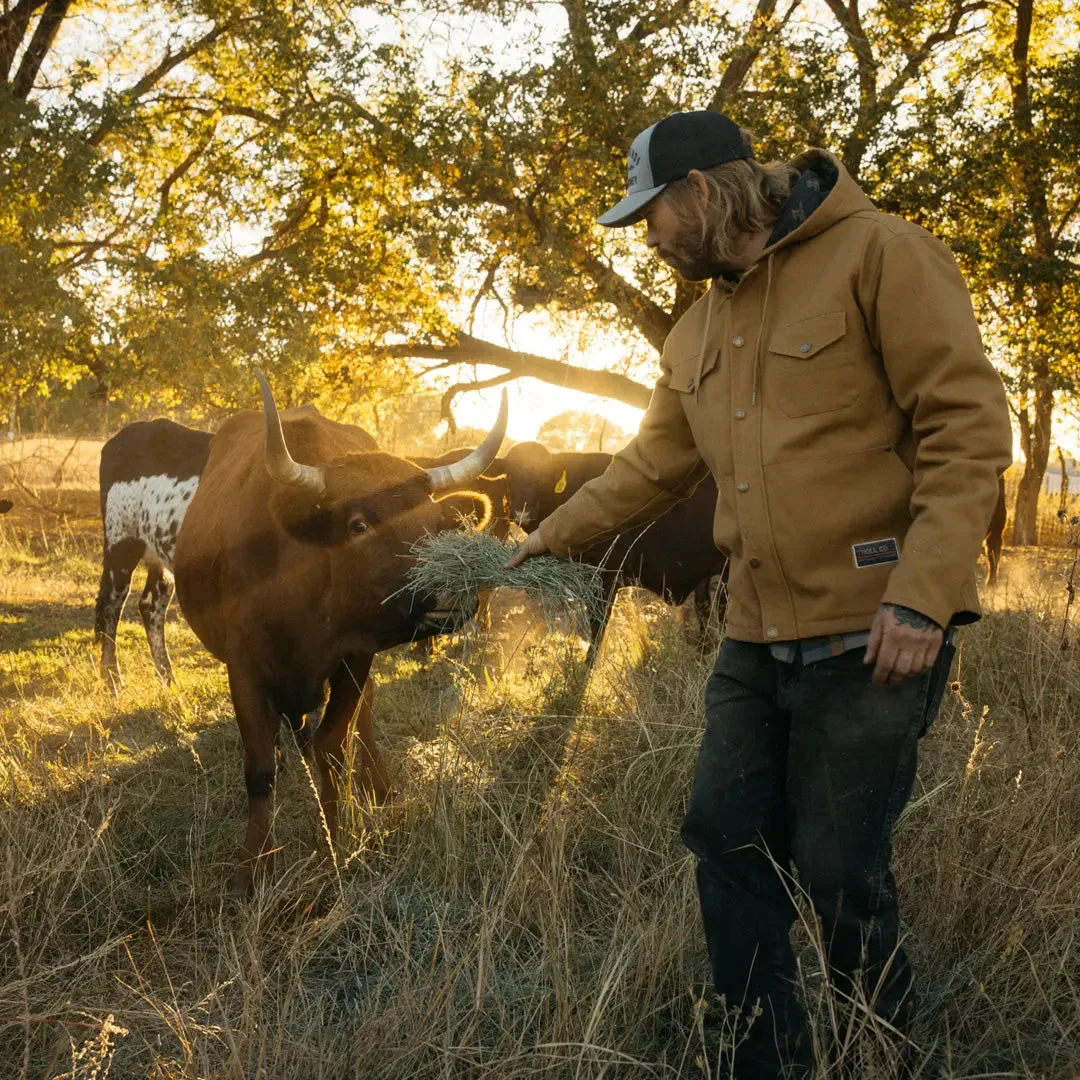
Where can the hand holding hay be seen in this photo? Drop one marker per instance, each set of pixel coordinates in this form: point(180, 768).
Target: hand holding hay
point(457, 566)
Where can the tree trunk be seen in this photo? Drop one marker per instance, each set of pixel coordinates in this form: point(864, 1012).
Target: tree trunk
point(1036, 433)
point(1063, 495)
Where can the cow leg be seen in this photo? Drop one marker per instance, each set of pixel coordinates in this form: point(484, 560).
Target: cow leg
point(154, 603)
point(350, 696)
point(259, 723)
point(118, 564)
point(993, 558)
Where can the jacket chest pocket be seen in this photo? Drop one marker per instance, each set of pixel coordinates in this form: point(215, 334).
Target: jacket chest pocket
point(704, 388)
point(688, 372)
point(817, 371)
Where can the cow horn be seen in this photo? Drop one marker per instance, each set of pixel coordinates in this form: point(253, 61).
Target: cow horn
point(469, 468)
point(279, 462)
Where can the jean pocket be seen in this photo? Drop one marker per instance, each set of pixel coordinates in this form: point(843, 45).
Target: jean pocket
point(935, 689)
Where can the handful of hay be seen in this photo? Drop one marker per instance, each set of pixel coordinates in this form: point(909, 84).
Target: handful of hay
point(459, 565)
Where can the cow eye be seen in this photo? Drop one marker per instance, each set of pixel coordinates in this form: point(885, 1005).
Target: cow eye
point(358, 526)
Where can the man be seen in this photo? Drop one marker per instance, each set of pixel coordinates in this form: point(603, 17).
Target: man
point(833, 381)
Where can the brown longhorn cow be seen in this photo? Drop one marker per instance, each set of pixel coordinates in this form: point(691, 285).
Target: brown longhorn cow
point(288, 567)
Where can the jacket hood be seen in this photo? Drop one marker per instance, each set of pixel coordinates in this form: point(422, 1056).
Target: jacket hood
point(844, 199)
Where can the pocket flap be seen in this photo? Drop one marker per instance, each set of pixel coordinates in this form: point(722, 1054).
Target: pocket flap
point(807, 337)
point(685, 370)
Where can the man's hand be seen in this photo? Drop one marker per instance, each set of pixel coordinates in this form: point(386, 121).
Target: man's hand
point(533, 545)
point(903, 642)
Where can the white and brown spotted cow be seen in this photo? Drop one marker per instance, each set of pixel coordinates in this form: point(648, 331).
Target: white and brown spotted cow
point(149, 473)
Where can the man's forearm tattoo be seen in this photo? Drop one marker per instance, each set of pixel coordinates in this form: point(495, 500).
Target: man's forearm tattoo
point(915, 619)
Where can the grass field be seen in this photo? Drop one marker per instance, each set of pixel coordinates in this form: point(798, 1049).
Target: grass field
point(522, 907)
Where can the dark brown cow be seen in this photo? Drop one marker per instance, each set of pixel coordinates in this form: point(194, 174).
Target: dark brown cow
point(288, 568)
point(995, 536)
point(673, 556)
point(494, 484)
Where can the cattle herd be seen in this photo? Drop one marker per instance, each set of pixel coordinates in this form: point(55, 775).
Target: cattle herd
point(286, 539)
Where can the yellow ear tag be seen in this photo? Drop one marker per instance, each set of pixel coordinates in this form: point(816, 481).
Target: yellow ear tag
point(560, 486)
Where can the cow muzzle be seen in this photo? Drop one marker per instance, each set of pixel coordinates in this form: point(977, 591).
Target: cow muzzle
point(442, 614)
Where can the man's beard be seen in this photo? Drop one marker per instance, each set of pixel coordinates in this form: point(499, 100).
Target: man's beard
point(691, 256)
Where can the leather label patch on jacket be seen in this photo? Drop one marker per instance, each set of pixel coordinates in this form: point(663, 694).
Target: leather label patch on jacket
point(876, 552)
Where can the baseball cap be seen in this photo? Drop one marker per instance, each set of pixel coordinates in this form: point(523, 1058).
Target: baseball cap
point(667, 151)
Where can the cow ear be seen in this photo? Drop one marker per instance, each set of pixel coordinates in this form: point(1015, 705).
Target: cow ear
point(472, 508)
point(300, 514)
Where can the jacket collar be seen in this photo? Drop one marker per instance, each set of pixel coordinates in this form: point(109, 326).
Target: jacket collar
point(816, 204)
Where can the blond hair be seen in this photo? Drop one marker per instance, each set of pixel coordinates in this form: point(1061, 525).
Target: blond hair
point(744, 197)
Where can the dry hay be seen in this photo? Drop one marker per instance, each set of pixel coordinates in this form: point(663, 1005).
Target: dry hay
point(458, 566)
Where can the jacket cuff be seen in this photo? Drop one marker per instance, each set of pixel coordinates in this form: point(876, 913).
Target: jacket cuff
point(553, 539)
point(929, 599)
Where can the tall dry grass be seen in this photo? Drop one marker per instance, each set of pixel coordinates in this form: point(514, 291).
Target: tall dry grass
point(523, 907)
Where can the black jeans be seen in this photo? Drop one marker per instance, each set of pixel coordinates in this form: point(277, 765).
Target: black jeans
point(811, 764)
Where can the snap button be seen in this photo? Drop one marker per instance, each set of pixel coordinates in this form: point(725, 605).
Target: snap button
point(755, 563)
point(742, 485)
point(772, 632)
point(738, 341)
point(740, 414)
point(804, 347)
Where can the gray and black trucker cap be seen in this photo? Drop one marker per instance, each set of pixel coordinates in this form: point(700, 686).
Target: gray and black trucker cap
point(667, 151)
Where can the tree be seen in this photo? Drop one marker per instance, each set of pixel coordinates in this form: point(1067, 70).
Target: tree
point(527, 153)
point(163, 226)
point(280, 186)
point(577, 430)
point(992, 169)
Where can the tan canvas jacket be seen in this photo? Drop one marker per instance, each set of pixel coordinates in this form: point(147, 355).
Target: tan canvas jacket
point(856, 430)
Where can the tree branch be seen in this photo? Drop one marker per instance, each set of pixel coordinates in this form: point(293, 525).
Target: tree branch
point(40, 44)
point(648, 316)
point(917, 57)
point(470, 350)
point(294, 216)
point(748, 50)
point(665, 15)
point(180, 170)
point(168, 62)
point(487, 286)
point(1066, 217)
point(228, 108)
point(580, 35)
point(1034, 183)
point(874, 103)
point(847, 15)
point(13, 26)
point(447, 401)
